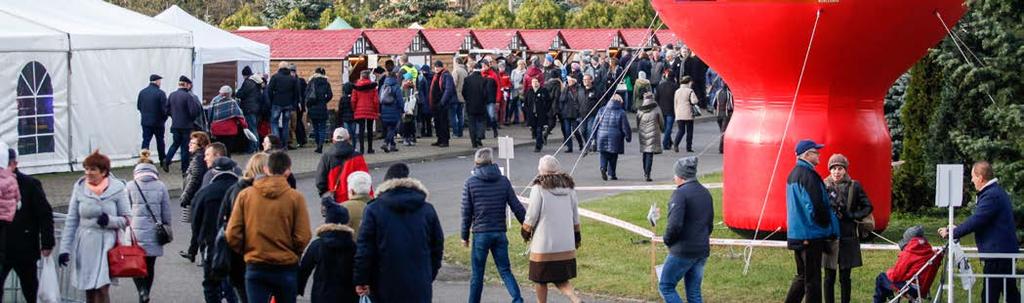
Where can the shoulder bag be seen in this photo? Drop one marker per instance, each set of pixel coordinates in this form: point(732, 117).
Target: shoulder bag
point(866, 224)
point(163, 235)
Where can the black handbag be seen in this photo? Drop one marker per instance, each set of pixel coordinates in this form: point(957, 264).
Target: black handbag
point(163, 235)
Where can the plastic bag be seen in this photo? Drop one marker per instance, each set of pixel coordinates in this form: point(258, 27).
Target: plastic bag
point(49, 287)
point(364, 299)
point(249, 135)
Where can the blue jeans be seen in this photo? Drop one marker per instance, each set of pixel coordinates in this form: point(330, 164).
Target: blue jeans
point(587, 125)
point(608, 163)
point(280, 119)
point(477, 128)
point(676, 268)
point(262, 282)
point(568, 126)
point(492, 115)
point(456, 118)
point(390, 129)
point(148, 132)
point(666, 139)
point(254, 126)
point(497, 244)
point(351, 126)
point(179, 140)
point(512, 110)
point(320, 131)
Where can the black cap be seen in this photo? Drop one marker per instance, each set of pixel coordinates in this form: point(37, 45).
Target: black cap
point(246, 71)
point(438, 63)
point(184, 79)
point(397, 171)
point(154, 77)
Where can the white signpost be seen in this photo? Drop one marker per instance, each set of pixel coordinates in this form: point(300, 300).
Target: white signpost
point(506, 150)
point(949, 193)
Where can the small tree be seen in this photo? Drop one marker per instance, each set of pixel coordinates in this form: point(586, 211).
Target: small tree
point(293, 20)
point(388, 23)
point(596, 14)
point(494, 14)
point(446, 19)
point(539, 14)
point(409, 11)
point(634, 14)
point(326, 17)
point(244, 16)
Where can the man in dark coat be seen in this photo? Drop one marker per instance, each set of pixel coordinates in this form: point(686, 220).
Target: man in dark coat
point(30, 235)
point(206, 221)
point(568, 109)
point(284, 90)
point(441, 93)
point(588, 109)
point(665, 95)
point(994, 230)
point(249, 97)
point(475, 92)
point(300, 109)
point(335, 156)
point(810, 223)
point(484, 198)
point(184, 110)
point(691, 217)
point(424, 116)
point(400, 244)
point(151, 104)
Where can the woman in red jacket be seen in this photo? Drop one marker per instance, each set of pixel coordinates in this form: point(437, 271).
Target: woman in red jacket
point(366, 105)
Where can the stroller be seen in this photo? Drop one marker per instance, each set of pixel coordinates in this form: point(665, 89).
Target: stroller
point(917, 288)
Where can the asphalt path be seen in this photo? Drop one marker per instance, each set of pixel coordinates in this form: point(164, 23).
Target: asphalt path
point(179, 281)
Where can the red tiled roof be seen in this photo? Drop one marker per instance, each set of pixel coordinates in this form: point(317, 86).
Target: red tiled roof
point(589, 38)
point(494, 38)
point(635, 37)
point(391, 41)
point(666, 37)
point(447, 40)
point(305, 44)
point(538, 39)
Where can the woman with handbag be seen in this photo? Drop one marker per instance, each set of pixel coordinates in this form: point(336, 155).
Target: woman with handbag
point(852, 207)
point(99, 208)
point(151, 217)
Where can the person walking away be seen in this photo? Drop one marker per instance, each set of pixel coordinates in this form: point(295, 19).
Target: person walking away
point(724, 109)
point(329, 258)
point(691, 218)
point(455, 111)
point(552, 228)
point(649, 124)
point(205, 222)
point(424, 113)
point(474, 90)
point(915, 252)
point(442, 94)
point(152, 104)
point(269, 225)
point(539, 101)
point(612, 129)
point(367, 109)
point(29, 235)
point(227, 123)
point(684, 101)
point(285, 91)
point(851, 205)
point(318, 94)
point(400, 243)
point(99, 208)
point(151, 211)
point(641, 87)
point(554, 88)
point(484, 198)
point(336, 155)
point(298, 123)
point(249, 97)
point(407, 129)
point(391, 107)
point(253, 171)
point(810, 223)
point(995, 232)
point(665, 94)
point(191, 184)
point(346, 113)
point(183, 111)
point(359, 190)
point(569, 106)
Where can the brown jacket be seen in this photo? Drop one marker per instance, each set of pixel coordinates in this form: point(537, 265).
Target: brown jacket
point(269, 224)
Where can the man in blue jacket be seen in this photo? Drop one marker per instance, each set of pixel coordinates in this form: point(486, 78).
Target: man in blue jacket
point(484, 198)
point(691, 215)
point(183, 109)
point(151, 103)
point(810, 222)
point(994, 229)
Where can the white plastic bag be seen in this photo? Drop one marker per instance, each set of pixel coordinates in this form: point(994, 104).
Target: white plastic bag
point(249, 135)
point(364, 299)
point(49, 287)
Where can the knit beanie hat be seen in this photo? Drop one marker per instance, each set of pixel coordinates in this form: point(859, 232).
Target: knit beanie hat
point(910, 233)
point(548, 165)
point(333, 212)
point(686, 168)
point(838, 159)
point(246, 71)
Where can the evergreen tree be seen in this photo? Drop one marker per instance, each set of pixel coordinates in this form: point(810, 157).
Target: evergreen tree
point(446, 19)
point(596, 14)
point(915, 177)
point(293, 20)
point(409, 11)
point(539, 14)
point(494, 14)
point(893, 104)
point(245, 16)
point(310, 10)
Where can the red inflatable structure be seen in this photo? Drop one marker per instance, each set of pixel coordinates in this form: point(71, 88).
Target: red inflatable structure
point(859, 48)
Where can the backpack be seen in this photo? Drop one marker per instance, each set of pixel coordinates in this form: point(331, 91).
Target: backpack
point(311, 92)
point(388, 96)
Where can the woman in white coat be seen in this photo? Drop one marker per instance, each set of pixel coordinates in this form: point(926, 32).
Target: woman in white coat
point(552, 227)
point(685, 99)
point(99, 208)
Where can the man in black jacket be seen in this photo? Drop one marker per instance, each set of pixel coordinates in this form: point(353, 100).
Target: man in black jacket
point(665, 94)
point(475, 92)
point(284, 90)
point(691, 216)
point(151, 103)
point(30, 235)
point(249, 95)
point(300, 109)
point(184, 110)
point(205, 221)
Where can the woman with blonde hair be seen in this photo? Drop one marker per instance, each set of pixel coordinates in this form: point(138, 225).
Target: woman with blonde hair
point(253, 170)
point(552, 227)
point(151, 211)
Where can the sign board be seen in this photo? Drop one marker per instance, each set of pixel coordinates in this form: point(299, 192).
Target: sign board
point(506, 148)
point(949, 185)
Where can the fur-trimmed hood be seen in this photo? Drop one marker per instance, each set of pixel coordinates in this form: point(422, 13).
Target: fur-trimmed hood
point(336, 236)
point(553, 181)
point(329, 227)
point(403, 195)
point(402, 183)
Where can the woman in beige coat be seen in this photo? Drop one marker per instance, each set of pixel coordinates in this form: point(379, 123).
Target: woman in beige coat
point(552, 227)
point(684, 101)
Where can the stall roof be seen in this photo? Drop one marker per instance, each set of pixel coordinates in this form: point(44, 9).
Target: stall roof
point(447, 40)
point(539, 39)
point(666, 37)
point(215, 45)
point(494, 38)
point(305, 44)
point(391, 41)
point(589, 38)
point(96, 25)
point(23, 35)
point(635, 37)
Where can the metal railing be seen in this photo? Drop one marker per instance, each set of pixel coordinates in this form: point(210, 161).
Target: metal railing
point(1014, 278)
point(68, 293)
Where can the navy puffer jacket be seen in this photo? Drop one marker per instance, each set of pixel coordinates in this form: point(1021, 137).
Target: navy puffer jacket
point(391, 113)
point(483, 201)
point(612, 129)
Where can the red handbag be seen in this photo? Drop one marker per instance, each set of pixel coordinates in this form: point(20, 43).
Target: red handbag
point(127, 261)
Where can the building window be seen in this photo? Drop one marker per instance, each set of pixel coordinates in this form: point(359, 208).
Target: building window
point(516, 43)
point(35, 110)
point(359, 47)
point(617, 41)
point(417, 45)
point(467, 43)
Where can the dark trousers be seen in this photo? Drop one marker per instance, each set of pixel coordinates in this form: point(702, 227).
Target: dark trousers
point(648, 159)
point(364, 138)
point(685, 128)
point(390, 130)
point(477, 128)
point(145, 284)
point(666, 139)
point(408, 130)
point(441, 125)
point(426, 123)
point(236, 277)
point(148, 132)
point(320, 132)
point(538, 135)
point(512, 109)
point(806, 286)
point(844, 285)
point(723, 123)
point(994, 287)
point(568, 127)
point(262, 282)
point(608, 163)
point(300, 127)
point(885, 289)
point(179, 140)
point(26, 271)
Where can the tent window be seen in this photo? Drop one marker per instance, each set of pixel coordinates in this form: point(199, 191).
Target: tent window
point(35, 110)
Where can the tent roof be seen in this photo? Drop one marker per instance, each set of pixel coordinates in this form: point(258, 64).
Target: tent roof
point(635, 37)
point(589, 38)
point(22, 35)
point(494, 38)
point(213, 44)
point(338, 23)
point(305, 44)
point(448, 40)
point(538, 39)
point(95, 24)
point(391, 41)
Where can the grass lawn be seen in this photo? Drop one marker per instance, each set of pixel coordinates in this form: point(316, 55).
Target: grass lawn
point(616, 263)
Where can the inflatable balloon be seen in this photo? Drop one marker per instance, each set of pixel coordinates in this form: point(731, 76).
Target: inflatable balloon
point(857, 50)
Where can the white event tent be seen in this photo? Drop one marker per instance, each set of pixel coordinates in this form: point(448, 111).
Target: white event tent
point(219, 55)
point(71, 76)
